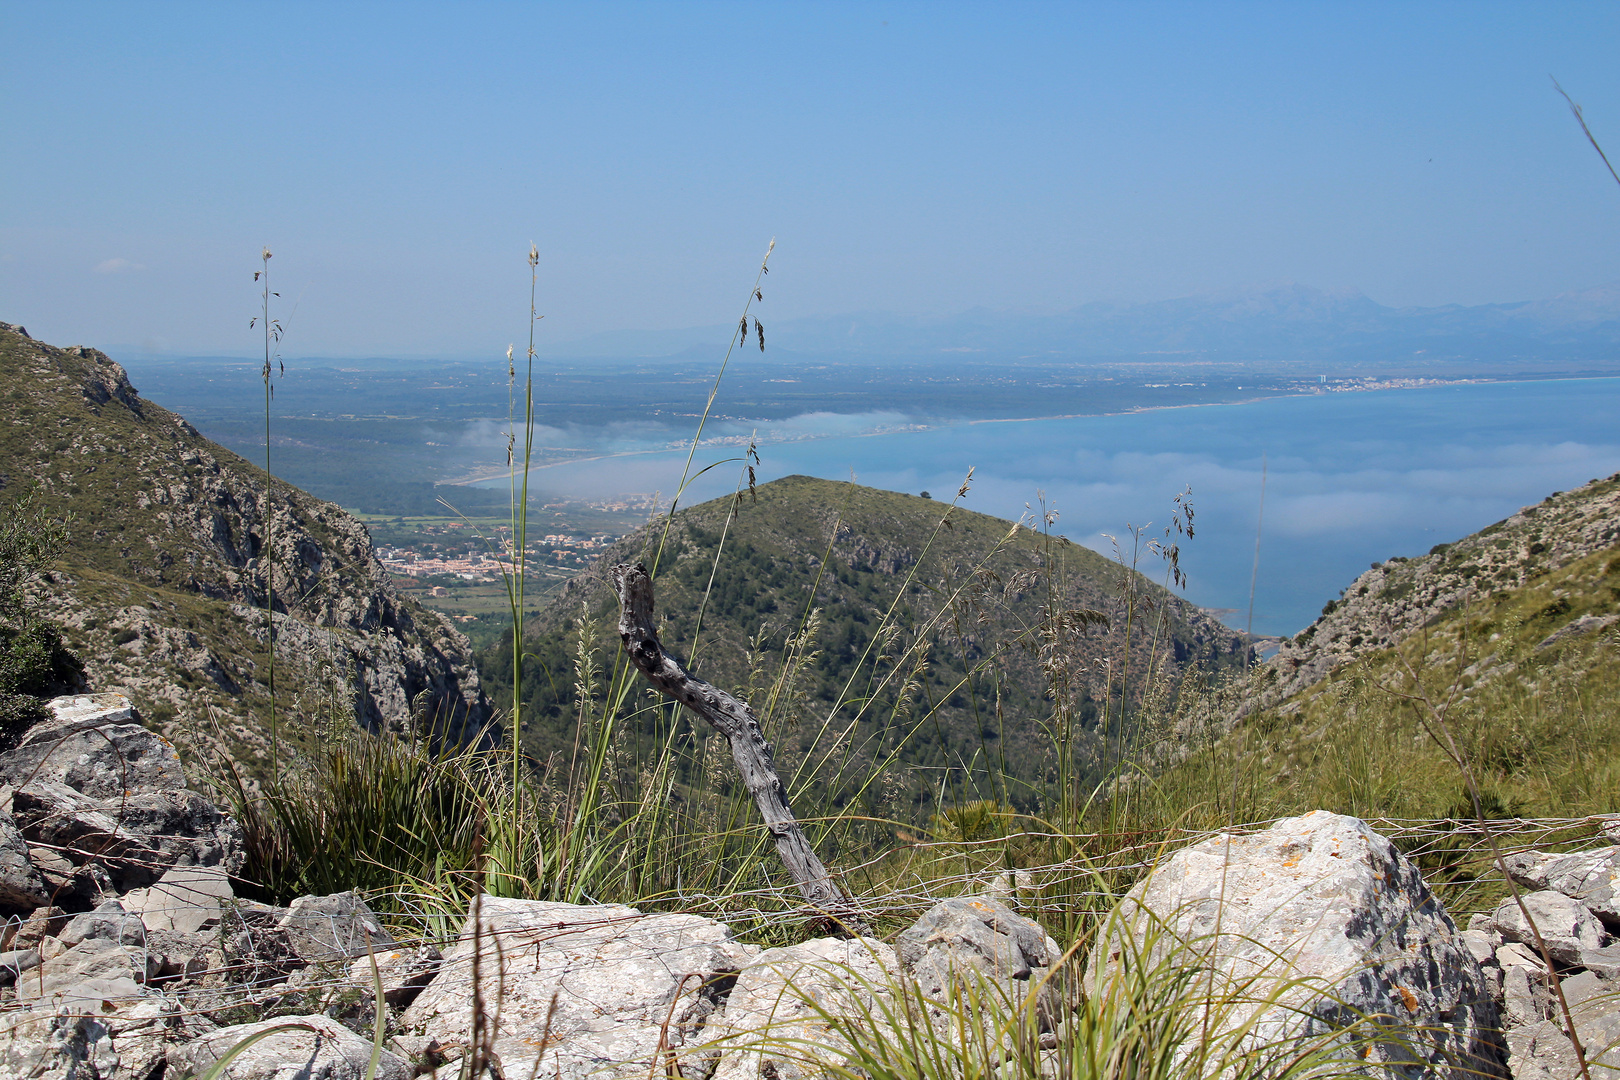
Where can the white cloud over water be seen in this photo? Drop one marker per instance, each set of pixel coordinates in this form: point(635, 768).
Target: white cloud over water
point(1347, 482)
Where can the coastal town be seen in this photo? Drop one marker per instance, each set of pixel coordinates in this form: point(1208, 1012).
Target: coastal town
point(466, 555)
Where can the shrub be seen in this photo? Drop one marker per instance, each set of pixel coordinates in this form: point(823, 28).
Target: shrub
point(34, 662)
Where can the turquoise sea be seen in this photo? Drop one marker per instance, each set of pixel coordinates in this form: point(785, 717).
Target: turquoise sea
point(1350, 477)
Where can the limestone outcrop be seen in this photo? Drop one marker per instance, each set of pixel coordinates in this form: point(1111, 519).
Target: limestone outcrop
point(174, 545)
point(1570, 898)
point(1328, 925)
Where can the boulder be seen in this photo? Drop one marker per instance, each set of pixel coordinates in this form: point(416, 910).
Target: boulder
point(16, 961)
point(1566, 926)
point(336, 927)
point(1527, 996)
point(21, 885)
point(1345, 926)
point(1604, 962)
point(302, 1047)
point(127, 1042)
point(1591, 877)
point(110, 920)
point(133, 840)
point(185, 898)
point(175, 954)
point(57, 1047)
point(1481, 944)
point(404, 973)
point(966, 937)
point(1540, 1049)
point(583, 990)
point(97, 969)
point(78, 887)
point(41, 923)
point(774, 1020)
point(94, 744)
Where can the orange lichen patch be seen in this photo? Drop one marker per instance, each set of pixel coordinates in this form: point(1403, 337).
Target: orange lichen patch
point(981, 906)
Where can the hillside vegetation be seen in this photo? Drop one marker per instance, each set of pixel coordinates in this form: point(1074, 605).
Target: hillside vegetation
point(882, 633)
point(1395, 598)
point(1496, 657)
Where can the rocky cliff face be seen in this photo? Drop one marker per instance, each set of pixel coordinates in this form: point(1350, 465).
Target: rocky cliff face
point(1393, 599)
point(174, 547)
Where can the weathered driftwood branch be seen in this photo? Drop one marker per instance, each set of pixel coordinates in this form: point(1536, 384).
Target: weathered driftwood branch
point(737, 722)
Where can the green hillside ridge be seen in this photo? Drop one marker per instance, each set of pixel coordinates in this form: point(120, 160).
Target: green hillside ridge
point(1504, 645)
point(1395, 598)
point(161, 588)
point(930, 652)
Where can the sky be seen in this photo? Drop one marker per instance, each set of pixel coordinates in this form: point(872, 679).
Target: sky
point(924, 159)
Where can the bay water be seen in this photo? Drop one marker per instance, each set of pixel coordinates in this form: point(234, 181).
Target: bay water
point(1349, 477)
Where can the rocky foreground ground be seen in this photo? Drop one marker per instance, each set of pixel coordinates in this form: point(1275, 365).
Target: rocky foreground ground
point(129, 956)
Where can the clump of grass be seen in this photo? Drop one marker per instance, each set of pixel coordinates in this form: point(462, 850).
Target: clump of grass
point(1162, 1012)
point(373, 812)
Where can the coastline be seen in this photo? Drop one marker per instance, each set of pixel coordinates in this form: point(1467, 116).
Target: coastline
point(1371, 386)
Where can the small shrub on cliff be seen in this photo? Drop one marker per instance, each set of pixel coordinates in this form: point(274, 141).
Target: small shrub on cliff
point(34, 664)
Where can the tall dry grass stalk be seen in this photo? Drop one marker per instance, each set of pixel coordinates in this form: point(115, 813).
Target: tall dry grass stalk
point(272, 338)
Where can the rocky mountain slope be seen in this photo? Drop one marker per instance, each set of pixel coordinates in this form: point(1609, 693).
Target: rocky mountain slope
point(1393, 599)
point(938, 643)
point(162, 589)
point(1488, 669)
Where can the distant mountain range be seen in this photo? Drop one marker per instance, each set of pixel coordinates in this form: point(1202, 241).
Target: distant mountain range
point(1282, 324)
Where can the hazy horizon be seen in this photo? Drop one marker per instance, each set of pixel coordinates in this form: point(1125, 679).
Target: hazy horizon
point(680, 342)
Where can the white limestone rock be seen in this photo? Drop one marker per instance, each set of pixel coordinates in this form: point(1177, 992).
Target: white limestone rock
point(312, 1046)
point(22, 887)
point(185, 898)
point(1566, 926)
point(774, 1021)
point(1591, 877)
point(404, 972)
point(588, 990)
point(95, 745)
point(1540, 1049)
point(110, 1039)
point(336, 927)
point(967, 937)
point(1324, 898)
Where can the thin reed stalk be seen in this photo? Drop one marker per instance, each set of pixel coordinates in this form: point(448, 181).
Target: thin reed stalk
point(272, 337)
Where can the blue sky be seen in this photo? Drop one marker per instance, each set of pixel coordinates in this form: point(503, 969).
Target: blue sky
point(923, 159)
